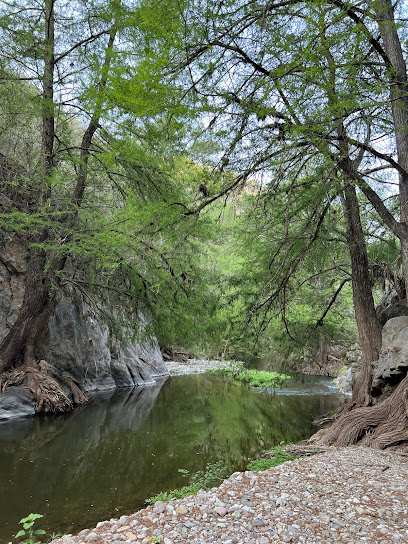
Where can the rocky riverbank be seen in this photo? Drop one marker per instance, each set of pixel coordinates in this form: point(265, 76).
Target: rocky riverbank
point(344, 496)
point(195, 366)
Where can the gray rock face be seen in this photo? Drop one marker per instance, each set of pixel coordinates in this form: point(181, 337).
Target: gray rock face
point(13, 265)
point(392, 365)
point(78, 344)
point(345, 383)
point(393, 362)
point(16, 402)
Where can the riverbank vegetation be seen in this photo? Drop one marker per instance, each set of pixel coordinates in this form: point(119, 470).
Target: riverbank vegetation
point(212, 476)
point(215, 473)
point(236, 171)
point(276, 457)
point(252, 377)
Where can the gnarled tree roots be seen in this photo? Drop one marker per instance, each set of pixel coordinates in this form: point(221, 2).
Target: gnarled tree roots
point(379, 426)
point(49, 397)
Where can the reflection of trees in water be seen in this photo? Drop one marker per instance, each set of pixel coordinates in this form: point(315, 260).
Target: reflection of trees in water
point(71, 461)
point(115, 453)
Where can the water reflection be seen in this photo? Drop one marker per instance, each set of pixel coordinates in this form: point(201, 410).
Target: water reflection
point(104, 459)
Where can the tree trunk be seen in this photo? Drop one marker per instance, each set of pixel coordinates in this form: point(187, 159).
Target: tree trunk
point(386, 423)
point(19, 346)
point(369, 329)
point(399, 107)
point(22, 345)
point(48, 121)
point(21, 342)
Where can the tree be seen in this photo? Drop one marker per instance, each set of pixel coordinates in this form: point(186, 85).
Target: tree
point(95, 197)
point(283, 84)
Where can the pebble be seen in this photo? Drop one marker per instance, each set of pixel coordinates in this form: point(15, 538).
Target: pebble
point(159, 507)
point(342, 496)
point(92, 537)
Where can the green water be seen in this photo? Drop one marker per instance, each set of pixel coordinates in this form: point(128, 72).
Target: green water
point(105, 459)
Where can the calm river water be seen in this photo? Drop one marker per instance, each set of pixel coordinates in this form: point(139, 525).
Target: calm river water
point(105, 459)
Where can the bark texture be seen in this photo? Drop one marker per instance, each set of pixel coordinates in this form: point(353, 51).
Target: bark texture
point(22, 345)
point(48, 395)
point(380, 426)
point(369, 329)
point(399, 106)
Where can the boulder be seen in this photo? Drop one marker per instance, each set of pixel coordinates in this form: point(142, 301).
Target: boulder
point(78, 345)
point(16, 402)
point(392, 365)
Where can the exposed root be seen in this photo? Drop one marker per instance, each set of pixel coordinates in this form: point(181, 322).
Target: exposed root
point(49, 396)
point(79, 398)
point(379, 426)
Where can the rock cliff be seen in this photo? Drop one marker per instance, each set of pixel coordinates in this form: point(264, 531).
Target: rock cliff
point(78, 345)
point(392, 365)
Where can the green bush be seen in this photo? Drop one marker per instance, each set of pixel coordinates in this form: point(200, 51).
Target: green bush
point(261, 378)
point(180, 493)
point(28, 531)
point(279, 457)
point(254, 378)
point(213, 474)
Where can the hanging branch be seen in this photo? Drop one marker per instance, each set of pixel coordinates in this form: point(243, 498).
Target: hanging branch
point(319, 322)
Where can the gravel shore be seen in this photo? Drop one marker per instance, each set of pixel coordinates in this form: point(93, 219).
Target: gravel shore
point(344, 496)
point(196, 366)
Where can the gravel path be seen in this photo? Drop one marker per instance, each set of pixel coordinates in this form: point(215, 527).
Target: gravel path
point(196, 366)
point(344, 496)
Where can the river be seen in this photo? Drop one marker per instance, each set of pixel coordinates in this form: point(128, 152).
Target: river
point(105, 459)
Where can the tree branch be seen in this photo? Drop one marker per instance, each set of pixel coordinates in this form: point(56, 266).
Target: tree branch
point(319, 322)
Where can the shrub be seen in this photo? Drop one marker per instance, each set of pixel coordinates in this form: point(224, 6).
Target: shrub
point(254, 378)
point(180, 493)
point(213, 474)
point(279, 457)
point(28, 531)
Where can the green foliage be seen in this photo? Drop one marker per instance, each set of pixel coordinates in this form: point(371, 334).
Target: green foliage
point(252, 377)
point(212, 476)
point(261, 378)
point(279, 457)
point(180, 493)
point(28, 531)
point(244, 275)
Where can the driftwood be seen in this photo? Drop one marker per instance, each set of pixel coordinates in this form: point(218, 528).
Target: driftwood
point(303, 449)
point(178, 356)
